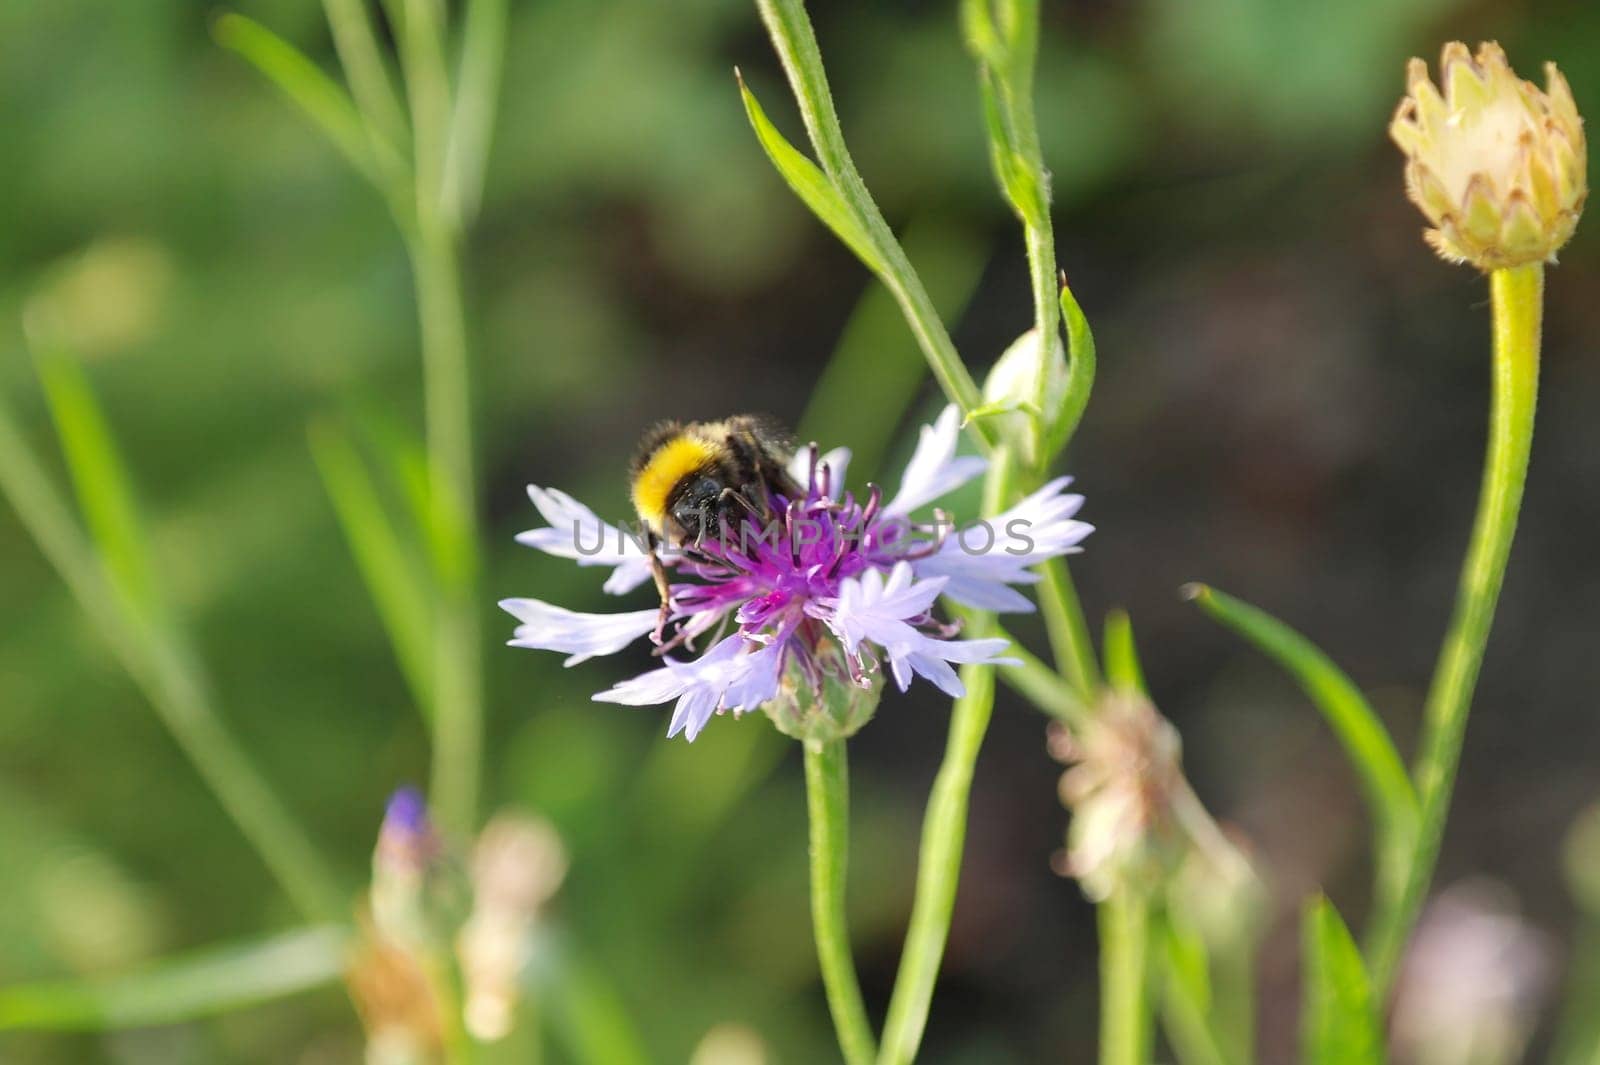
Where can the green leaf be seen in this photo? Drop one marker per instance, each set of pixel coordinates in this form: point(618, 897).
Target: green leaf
point(100, 479)
point(318, 96)
point(1011, 168)
point(393, 573)
point(1000, 408)
point(209, 982)
point(1366, 742)
point(1121, 655)
point(1339, 1023)
point(983, 38)
point(402, 454)
point(1063, 422)
point(809, 183)
point(1186, 1006)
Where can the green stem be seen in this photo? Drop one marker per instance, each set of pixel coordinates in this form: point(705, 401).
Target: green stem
point(458, 705)
point(1042, 686)
point(444, 981)
point(944, 826)
point(828, 805)
point(157, 660)
point(427, 80)
point(1517, 296)
point(482, 56)
point(1070, 642)
point(796, 44)
point(363, 64)
point(1234, 1000)
point(1014, 86)
point(433, 243)
point(1125, 1014)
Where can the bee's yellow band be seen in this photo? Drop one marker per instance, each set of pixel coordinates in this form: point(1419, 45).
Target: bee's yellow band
point(671, 463)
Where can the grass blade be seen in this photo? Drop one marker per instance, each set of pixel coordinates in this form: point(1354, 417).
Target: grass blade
point(1186, 998)
point(1122, 657)
point(1383, 777)
point(155, 656)
point(471, 126)
point(390, 570)
point(99, 479)
point(1339, 1025)
point(365, 70)
point(318, 96)
point(208, 982)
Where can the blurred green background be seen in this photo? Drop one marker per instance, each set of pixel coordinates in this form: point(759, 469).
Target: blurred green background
point(1290, 406)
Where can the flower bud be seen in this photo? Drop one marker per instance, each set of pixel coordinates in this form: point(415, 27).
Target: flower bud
point(418, 893)
point(1496, 165)
point(831, 705)
point(1011, 392)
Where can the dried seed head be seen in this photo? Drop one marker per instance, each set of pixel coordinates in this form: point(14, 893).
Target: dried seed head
point(1497, 165)
point(1121, 782)
point(392, 995)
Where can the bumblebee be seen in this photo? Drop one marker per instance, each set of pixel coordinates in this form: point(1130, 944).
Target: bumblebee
point(688, 478)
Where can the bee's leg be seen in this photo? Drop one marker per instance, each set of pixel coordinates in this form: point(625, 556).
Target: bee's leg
point(659, 572)
point(740, 498)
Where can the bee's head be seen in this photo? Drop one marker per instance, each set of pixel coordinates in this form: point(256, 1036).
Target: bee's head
point(696, 507)
point(666, 474)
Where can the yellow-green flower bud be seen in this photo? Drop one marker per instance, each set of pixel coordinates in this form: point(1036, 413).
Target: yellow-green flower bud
point(831, 705)
point(1496, 165)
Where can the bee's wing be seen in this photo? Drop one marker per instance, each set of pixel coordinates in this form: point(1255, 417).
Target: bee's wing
point(770, 445)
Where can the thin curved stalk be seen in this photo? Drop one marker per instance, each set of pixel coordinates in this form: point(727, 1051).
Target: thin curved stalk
point(458, 696)
point(1042, 686)
point(1517, 297)
point(1389, 793)
point(796, 43)
point(433, 243)
point(944, 828)
point(1071, 644)
point(157, 659)
point(828, 808)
